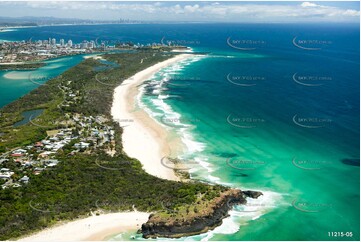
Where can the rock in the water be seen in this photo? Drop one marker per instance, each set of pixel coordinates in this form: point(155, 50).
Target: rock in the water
point(252, 194)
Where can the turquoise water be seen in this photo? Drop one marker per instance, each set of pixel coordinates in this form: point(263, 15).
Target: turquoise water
point(277, 118)
point(18, 83)
point(248, 124)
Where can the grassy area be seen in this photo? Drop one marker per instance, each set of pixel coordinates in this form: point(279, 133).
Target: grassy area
point(86, 181)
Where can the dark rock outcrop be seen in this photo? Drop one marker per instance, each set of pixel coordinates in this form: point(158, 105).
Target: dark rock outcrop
point(252, 194)
point(204, 220)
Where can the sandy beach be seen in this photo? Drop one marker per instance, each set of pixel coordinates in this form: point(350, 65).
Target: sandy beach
point(95, 57)
point(93, 228)
point(144, 138)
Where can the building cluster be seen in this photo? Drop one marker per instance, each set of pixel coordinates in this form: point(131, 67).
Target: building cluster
point(22, 51)
point(86, 134)
point(28, 51)
point(53, 43)
point(76, 133)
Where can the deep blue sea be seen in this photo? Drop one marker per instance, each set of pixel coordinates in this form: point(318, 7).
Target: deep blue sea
point(270, 107)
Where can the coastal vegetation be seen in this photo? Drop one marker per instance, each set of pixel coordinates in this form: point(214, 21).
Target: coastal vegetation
point(22, 66)
point(89, 180)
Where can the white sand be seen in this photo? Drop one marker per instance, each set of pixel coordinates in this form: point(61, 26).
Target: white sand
point(18, 75)
point(143, 138)
point(12, 63)
point(95, 57)
point(93, 228)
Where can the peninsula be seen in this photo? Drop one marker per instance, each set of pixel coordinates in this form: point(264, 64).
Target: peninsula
point(76, 159)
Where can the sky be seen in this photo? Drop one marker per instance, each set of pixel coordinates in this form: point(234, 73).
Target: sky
point(211, 11)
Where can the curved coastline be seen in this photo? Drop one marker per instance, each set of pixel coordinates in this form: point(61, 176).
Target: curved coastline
point(147, 131)
point(143, 138)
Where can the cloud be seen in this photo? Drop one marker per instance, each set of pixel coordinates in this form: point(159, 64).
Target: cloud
point(230, 11)
point(308, 4)
point(191, 9)
point(350, 12)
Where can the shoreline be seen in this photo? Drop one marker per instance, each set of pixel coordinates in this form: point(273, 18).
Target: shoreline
point(140, 129)
point(143, 138)
point(93, 228)
point(143, 130)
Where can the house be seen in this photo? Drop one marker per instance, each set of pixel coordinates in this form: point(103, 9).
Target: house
point(46, 142)
point(95, 132)
point(51, 162)
point(5, 176)
point(54, 139)
point(38, 144)
point(100, 119)
point(19, 160)
point(60, 134)
point(37, 170)
point(57, 146)
point(2, 170)
point(67, 139)
point(45, 154)
point(51, 165)
point(26, 164)
point(17, 155)
point(5, 173)
point(48, 147)
point(83, 145)
point(24, 179)
point(19, 151)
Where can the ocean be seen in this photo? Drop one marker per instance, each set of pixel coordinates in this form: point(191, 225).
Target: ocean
point(271, 107)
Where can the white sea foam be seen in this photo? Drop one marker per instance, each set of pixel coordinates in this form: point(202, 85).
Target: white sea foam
point(230, 225)
point(167, 117)
point(163, 96)
point(193, 149)
point(192, 146)
point(255, 208)
point(222, 56)
point(7, 30)
point(188, 50)
point(240, 215)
